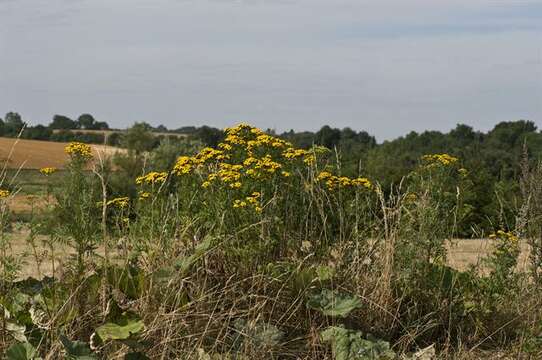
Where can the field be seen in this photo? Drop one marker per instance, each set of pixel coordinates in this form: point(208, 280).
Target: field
point(35, 154)
point(256, 249)
point(462, 253)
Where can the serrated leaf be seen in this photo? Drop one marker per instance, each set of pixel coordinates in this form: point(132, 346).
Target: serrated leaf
point(350, 345)
point(333, 303)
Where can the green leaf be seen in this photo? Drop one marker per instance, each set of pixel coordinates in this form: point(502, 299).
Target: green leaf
point(121, 324)
point(77, 350)
point(22, 351)
point(333, 303)
point(350, 345)
point(129, 280)
point(184, 264)
point(325, 272)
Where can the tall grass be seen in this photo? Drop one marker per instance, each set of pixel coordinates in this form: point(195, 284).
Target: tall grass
point(258, 250)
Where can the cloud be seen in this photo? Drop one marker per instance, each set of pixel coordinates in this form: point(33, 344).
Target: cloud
point(387, 67)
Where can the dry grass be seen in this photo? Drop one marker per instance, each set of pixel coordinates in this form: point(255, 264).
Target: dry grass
point(36, 154)
point(462, 253)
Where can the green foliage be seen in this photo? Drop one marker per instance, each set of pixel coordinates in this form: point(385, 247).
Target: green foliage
point(22, 351)
point(350, 345)
point(76, 350)
point(333, 303)
point(120, 325)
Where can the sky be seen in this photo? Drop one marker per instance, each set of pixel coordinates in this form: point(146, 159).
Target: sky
point(387, 67)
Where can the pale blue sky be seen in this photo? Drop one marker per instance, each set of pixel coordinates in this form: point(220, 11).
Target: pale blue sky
point(387, 66)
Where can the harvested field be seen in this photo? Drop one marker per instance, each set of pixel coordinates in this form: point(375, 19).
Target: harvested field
point(462, 253)
point(35, 154)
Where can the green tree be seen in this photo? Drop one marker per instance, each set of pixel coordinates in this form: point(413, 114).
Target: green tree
point(13, 124)
point(63, 122)
point(139, 138)
point(86, 121)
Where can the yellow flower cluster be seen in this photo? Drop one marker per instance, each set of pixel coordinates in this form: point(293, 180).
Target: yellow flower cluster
point(442, 159)
point(507, 236)
point(47, 170)
point(152, 178)
point(184, 165)
point(4, 193)
point(120, 202)
point(334, 182)
point(79, 150)
point(144, 195)
point(253, 201)
point(246, 152)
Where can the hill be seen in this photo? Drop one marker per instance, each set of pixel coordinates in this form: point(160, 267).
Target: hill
point(35, 154)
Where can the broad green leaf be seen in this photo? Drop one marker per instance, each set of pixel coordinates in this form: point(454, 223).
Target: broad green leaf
point(333, 303)
point(121, 330)
point(76, 350)
point(350, 345)
point(121, 325)
point(22, 351)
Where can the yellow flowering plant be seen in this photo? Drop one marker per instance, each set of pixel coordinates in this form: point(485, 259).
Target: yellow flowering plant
point(78, 150)
point(48, 170)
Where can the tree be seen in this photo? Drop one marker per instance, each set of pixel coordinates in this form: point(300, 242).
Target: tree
point(328, 137)
point(139, 138)
point(86, 121)
point(63, 122)
point(101, 125)
point(209, 136)
point(13, 124)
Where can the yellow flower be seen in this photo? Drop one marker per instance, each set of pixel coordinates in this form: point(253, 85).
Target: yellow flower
point(285, 173)
point(333, 181)
point(183, 165)
point(47, 170)
point(442, 159)
point(144, 195)
point(235, 185)
point(362, 182)
point(206, 184)
point(239, 204)
point(120, 202)
point(78, 150)
point(152, 178)
point(4, 193)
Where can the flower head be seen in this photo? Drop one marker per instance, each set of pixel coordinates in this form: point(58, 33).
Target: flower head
point(48, 170)
point(120, 202)
point(152, 178)
point(78, 150)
